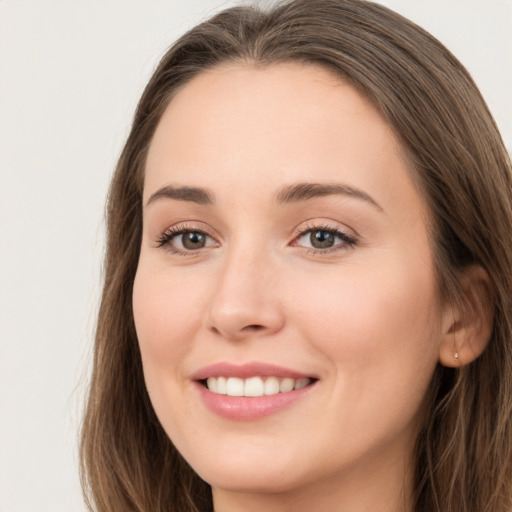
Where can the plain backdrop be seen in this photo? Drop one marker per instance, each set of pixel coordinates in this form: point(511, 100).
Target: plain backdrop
point(71, 73)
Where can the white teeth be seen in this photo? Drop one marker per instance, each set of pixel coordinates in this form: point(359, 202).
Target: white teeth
point(286, 385)
point(222, 385)
point(271, 386)
point(234, 387)
point(211, 382)
point(299, 383)
point(254, 386)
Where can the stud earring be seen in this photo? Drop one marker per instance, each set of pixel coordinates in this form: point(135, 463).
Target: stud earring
point(456, 355)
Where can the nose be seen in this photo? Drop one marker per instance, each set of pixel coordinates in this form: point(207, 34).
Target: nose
point(246, 302)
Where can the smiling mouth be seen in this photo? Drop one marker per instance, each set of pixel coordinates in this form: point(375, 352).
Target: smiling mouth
point(254, 386)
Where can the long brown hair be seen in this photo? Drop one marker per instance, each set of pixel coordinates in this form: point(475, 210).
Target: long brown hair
point(464, 452)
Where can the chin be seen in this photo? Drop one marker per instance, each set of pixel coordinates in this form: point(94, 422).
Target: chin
point(252, 481)
point(244, 473)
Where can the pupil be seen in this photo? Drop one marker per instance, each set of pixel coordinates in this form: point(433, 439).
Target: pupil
point(193, 240)
point(321, 239)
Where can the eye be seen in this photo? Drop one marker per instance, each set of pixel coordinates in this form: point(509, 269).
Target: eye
point(190, 240)
point(182, 240)
point(324, 239)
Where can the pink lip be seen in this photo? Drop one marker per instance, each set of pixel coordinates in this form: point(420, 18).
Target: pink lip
point(240, 408)
point(246, 370)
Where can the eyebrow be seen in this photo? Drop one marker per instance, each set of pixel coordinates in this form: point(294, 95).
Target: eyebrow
point(192, 194)
point(290, 194)
point(304, 191)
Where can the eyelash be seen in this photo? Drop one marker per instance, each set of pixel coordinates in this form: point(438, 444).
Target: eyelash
point(348, 241)
point(169, 234)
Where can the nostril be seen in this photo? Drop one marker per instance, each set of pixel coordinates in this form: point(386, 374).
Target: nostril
point(253, 327)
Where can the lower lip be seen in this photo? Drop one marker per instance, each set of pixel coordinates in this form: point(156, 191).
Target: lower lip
point(243, 408)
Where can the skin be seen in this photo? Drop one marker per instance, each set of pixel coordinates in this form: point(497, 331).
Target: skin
point(365, 319)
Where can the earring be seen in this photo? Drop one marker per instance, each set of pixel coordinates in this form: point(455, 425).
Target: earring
point(456, 355)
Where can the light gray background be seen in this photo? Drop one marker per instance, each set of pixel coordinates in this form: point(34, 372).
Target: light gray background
point(71, 73)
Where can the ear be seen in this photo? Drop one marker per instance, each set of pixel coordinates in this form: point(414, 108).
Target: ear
point(467, 324)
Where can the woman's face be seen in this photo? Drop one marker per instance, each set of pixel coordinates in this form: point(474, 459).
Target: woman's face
point(284, 245)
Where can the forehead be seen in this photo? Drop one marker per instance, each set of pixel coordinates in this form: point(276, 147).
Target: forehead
point(240, 124)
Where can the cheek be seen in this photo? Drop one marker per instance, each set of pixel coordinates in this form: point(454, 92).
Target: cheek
point(164, 311)
point(166, 322)
point(162, 316)
point(379, 330)
point(361, 307)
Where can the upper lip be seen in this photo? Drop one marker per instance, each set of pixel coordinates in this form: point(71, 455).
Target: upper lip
point(246, 370)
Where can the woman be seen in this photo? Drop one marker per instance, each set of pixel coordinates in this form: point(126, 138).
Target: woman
point(306, 301)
